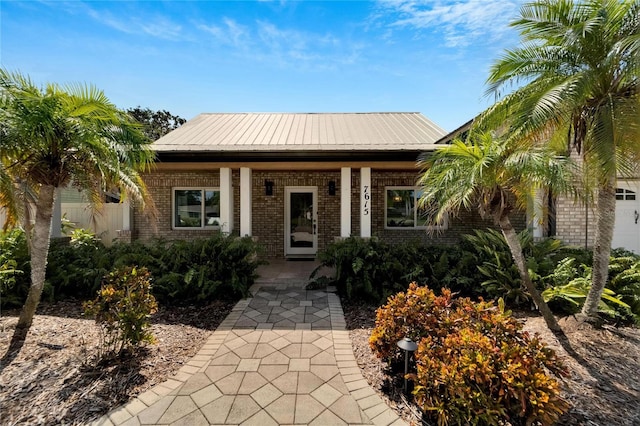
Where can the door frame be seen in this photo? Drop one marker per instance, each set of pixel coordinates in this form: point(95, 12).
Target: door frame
point(302, 251)
point(626, 229)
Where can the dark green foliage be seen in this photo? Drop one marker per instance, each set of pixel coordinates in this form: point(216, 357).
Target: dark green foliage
point(569, 284)
point(364, 268)
point(206, 269)
point(155, 124)
point(185, 272)
point(73, 268)
point(15, 272)
point(499, 273)
point(372, 270)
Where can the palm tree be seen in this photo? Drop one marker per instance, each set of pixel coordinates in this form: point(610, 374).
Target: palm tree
point(496, 178)
point(58, 136)
point(579, 64)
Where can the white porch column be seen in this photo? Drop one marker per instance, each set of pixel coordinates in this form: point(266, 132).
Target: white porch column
point(245, 202)
point(345, 202)
point(365, 202)
point(226, 200)
point(56, 220)
point(126, 215)
point(536, 213)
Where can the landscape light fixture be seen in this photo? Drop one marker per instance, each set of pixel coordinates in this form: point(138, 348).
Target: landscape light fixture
point(408, 346)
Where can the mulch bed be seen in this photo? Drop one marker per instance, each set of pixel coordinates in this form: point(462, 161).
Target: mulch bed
point(54, 380)
point(603, 389)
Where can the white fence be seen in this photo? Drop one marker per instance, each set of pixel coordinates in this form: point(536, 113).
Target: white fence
point(104, 224)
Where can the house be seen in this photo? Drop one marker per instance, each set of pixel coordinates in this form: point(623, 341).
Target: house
point(295, 181)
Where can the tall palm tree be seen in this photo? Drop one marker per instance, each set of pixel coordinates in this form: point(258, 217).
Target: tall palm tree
point(579, 66)
point(51, 138)
point(496, 178)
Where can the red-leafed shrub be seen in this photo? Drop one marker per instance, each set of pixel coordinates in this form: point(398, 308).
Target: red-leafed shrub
point(474, 364)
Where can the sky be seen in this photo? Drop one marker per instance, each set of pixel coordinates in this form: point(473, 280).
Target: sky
point(189, 57)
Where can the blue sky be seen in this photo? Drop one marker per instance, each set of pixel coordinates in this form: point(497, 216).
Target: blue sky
point(430, 56)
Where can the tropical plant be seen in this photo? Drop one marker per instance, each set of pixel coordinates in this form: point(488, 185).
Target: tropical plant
point(500, 274)
point(580, 64)
point(14, 268)
point(570, 284)
point(496, 178)
point(123, 309)
point(56, 136)
point(474, 363)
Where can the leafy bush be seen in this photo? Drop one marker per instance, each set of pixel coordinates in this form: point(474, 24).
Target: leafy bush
point(364, 268)
point(501, 276)
point(206, 269)
point(122, 309)
point(219, 267)
point(568, 287)
point(371, 270)
point(474, 364)
point(15, 271)
point(73, 269)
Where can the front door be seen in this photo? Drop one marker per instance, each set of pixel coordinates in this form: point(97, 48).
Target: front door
point(626, 232)
point(301, 218)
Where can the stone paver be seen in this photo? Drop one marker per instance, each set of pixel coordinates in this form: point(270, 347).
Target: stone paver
point(280, 357)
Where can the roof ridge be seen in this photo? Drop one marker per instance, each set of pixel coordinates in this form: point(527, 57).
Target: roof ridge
point(311, 113)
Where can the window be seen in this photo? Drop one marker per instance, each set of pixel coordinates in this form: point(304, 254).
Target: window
point(402, 211)
point(196, 208)
point(625, 194)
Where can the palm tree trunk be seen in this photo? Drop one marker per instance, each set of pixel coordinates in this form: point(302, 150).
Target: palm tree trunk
point(605, 220)
point(516, 252)
point(39, 252)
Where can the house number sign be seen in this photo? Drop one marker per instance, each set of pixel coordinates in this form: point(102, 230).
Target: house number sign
point(366, 197)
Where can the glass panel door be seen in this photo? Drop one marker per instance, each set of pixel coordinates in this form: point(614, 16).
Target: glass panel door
point(301, 236)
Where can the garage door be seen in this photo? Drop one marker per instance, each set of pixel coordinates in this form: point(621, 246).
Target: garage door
point(626, 232)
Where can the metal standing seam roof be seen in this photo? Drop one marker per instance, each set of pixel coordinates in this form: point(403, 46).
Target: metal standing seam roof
point(261, 132)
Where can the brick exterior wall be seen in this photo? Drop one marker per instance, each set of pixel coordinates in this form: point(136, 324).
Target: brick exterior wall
point(160, 184)
point(575, 223)
point(268, 211)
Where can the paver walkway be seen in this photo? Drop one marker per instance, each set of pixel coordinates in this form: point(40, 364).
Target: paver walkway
point(281, 357)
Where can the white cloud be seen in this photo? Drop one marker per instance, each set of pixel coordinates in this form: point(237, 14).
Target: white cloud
point(461, 22)
point(157, 27)
point(229, 32)
point(267, 42)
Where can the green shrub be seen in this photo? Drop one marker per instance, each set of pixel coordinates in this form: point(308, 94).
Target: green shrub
point(15, 270)
point(364, 268)
point(186, 272)
point(474, 364)
point(73, 269)
point(122, 309)
point(569, 285)
point(372, 270)
point(501, 278)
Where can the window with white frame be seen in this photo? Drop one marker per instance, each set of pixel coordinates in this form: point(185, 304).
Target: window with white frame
point(196, 208)
point(402, 211)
